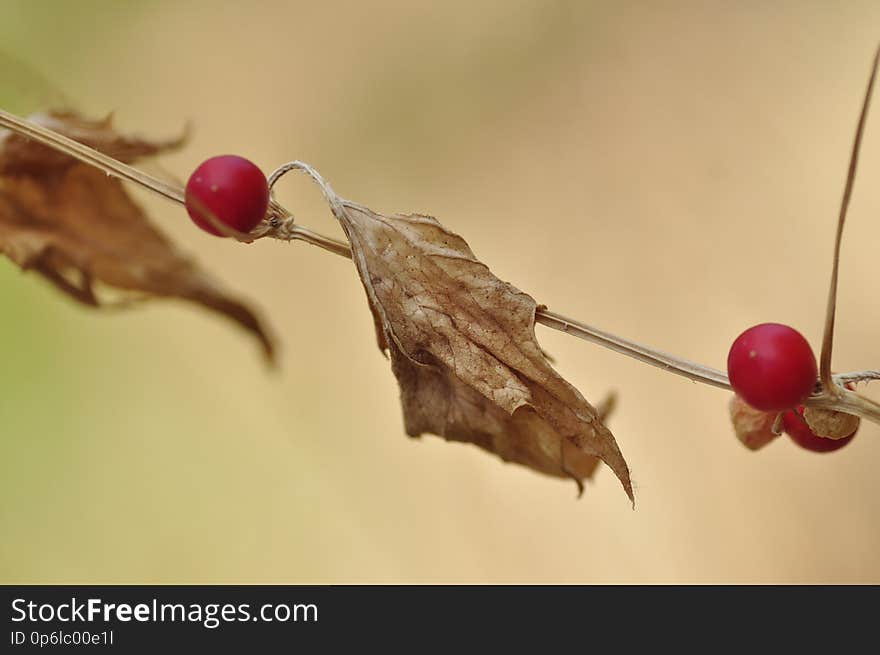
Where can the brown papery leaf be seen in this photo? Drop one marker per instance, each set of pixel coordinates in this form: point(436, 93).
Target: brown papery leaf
point(463, 348)
point(79, 228)
point(752, 427)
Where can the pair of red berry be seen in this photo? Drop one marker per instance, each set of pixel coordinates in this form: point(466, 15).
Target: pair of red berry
point(773, 369)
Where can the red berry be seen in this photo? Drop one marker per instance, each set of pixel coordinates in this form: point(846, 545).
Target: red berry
point(800, 433)
point(229, 188)
point(772, 367)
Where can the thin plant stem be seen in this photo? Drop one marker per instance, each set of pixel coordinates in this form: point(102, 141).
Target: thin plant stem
point(279, 224)
point(831, 308)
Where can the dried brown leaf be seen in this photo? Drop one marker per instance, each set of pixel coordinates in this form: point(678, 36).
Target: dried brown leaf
point(79, 228)
point(21, 155)
point(753, 427)
point(463, 348)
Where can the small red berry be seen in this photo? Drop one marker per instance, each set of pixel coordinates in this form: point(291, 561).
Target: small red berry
point(772, 367)
point(796, 428)
point(231, 189)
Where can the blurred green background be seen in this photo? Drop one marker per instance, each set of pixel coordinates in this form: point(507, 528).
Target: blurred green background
point(668, 171)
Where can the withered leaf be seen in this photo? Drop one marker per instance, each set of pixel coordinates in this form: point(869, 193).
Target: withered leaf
point(752, 427)
point(79, 228)
point(20, 155)
point(463, 348)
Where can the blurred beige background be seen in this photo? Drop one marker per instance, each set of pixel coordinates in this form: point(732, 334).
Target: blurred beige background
point(668, 171)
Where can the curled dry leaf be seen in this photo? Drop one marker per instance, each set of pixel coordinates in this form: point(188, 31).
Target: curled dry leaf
point(463, 348)
point(20, 155)
point(78, 227)
point(753, 427)
point(830, 424)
